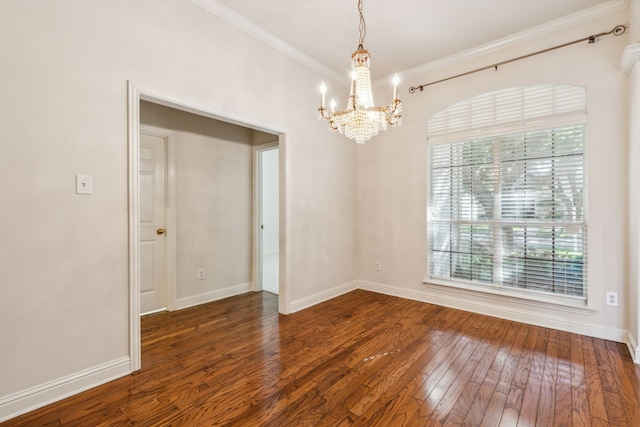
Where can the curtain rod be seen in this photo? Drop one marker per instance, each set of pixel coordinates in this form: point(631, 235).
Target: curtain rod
point(616, 31)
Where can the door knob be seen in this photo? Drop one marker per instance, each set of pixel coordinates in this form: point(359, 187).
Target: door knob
point(160, 231)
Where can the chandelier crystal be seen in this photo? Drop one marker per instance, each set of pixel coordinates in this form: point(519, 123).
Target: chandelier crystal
point(362, 120)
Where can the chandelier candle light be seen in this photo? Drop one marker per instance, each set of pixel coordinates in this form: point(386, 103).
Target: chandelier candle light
point(362, 119)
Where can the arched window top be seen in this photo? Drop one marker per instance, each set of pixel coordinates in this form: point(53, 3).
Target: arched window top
point(513, 107)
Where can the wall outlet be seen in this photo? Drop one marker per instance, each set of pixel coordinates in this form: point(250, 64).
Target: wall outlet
point(201, 274)
point(612, 298)
point(376, 266)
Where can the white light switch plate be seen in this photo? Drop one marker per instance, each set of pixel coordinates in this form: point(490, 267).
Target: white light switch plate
point(84, 184)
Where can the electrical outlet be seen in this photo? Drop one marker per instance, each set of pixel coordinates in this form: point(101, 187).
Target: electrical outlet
point(376, 266)
point(201, 274)
point(612, 298)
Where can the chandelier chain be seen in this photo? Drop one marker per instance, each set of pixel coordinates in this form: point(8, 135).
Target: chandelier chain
point(363, 26)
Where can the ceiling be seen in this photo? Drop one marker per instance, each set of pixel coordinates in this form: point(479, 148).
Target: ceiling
point(403, 36)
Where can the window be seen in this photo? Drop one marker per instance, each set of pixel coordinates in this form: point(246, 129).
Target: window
point(506, 191)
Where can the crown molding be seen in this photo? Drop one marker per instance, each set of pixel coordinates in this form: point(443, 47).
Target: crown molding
point(258, 32)
point(612, 6)
point(630, 57)
point(239, 21)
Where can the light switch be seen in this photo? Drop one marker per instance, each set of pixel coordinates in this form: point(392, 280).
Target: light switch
point(84, 184)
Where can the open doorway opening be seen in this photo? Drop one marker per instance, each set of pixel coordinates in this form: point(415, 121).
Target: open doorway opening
point(267, 167)
point(210, 168)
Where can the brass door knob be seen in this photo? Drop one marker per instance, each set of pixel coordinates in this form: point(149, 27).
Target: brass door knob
point(160, 231)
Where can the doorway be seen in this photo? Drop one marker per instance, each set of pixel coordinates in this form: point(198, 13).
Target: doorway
point(135, 96)
point(268, 248)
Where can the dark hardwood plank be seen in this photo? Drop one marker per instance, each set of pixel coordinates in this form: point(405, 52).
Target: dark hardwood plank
point(580, 414)
point(515, 394)
point(625, 387)
point(593, 383)
point(449, 391)
point(500, 349)
point(547, 399)
point(612, 400)
point(494, 412)
point(475, 415)
point(511, 412)
point(362, 359)
point(563, 386)
point(512, 359)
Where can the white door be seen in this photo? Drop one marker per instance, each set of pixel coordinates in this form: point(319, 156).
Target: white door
point(269, 219)
point(153, 281)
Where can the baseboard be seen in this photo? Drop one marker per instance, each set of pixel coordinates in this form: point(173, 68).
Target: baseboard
point(633, 348)
point(326, 295)
point(214, 295)
point(508, 313)
point(36, 397)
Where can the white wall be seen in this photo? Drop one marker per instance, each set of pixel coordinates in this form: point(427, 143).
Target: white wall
point(392, 174)
point(634, 21)
point(630, 63)
point(214, 209)
point(63, 111)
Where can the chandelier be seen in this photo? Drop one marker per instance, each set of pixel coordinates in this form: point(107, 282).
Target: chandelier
point(362, 120)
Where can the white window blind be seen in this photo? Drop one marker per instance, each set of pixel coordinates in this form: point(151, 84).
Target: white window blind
point(508, 209)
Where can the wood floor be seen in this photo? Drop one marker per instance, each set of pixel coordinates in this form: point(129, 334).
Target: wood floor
point(362, 359)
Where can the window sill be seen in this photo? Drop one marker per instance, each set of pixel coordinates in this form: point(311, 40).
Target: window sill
point(578, 306)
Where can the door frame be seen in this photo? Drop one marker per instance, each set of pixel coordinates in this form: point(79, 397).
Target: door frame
point(169, 211)
point(135, 94)
point(257, 212)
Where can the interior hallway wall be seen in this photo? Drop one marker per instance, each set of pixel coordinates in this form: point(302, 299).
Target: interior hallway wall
point(214, 209)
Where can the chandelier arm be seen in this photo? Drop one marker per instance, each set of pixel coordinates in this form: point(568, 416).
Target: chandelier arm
point(393, 107)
